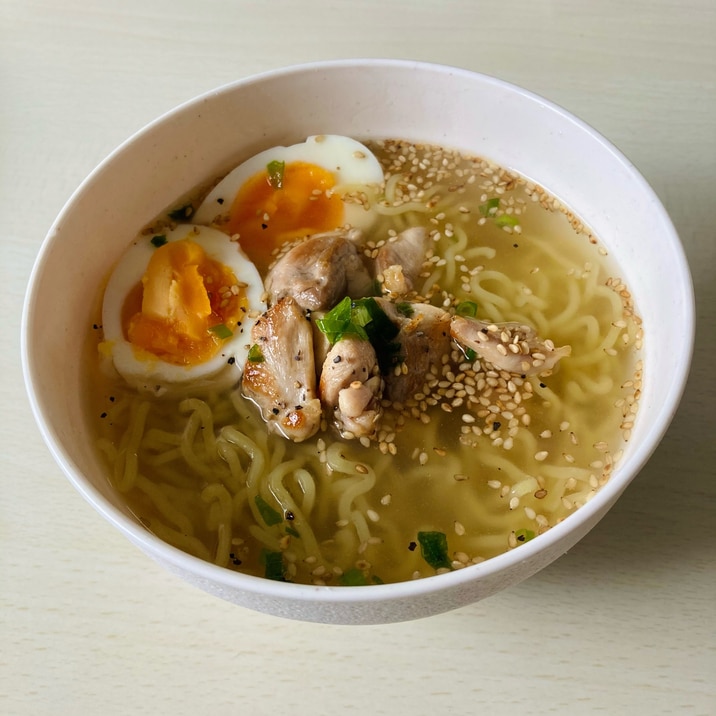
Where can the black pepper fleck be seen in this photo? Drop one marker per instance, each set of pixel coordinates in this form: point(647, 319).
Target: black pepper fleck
point(496, 425)
point(290, 516)
point(412, 546)
point(231, 360)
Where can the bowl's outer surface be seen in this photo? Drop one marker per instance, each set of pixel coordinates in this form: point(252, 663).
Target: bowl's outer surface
point(206, 137)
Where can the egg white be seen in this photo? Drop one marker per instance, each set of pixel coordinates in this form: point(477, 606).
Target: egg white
point(350, 162)
point(150, 374)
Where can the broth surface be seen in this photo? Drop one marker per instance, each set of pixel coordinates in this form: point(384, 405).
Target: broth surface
point(475, 464)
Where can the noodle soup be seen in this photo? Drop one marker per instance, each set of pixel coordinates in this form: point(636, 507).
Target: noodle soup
point(476, 461)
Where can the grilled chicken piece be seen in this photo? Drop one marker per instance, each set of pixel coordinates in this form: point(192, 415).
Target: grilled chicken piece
point(512, 347)
point(321, 344)
point(283, 382)
point(424, 337)
point(320, 270)
point(351, 387)
point(400, 260)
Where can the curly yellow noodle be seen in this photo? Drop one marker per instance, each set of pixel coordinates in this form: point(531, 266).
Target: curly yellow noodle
point(256, 466)
point(498, 305)
point(360, 483)
point(608, 295)
point(361, 526)
point(300, 523)
point(308, 488)
point(476, 252)
point(266, 538)
point(236, 477)
point(549, 249)
point(125, 472)
point(161, 501)
point(583, 389)
point(596, 354)
point(456, 247)
point(189, 544)
point(156, 439)
point(222, 498)
point(571, 307)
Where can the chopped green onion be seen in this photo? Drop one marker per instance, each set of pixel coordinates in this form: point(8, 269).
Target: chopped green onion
point(292, 531)
point(220, 330)
point(338, 323)
point(434, 548)
point(353, 578)
point(524, 535)
point(183, 212)
point(405, 309)
point(364, 319)
point(268, 514)
point(159, 240)
point(273, 565)
point(255, 355)
point(275, 171)
point(489, 207)
point(471, 354)
point(466, 308)
point(507, 220)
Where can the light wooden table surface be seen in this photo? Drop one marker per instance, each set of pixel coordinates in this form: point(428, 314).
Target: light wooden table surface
point(623, 624)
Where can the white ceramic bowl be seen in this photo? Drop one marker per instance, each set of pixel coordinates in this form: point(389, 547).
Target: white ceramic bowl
point(207, 136)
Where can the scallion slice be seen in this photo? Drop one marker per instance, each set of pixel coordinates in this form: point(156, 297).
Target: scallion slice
point(255, 355)
point(268, 514)
point(273, 565)
point(221, 330)
point(275, 171)
point(466, 308)
point(489, 207)
point(434, 548)
point(507, 220)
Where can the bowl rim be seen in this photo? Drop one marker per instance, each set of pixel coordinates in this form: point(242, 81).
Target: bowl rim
point(210, 572)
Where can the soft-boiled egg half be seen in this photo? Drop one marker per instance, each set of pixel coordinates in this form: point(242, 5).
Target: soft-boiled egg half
point(286, 193)
point(178, 311)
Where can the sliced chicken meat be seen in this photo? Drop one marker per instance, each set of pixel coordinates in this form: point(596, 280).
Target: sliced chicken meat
point(400, 260)
point(321, 344)
point(320, 270)
point(512, 347)
point(351, 387)
point(280, 375)
point(423, 339)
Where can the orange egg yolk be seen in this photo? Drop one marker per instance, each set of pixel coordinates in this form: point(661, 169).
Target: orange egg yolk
point(265, 216)
point(185, 305)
